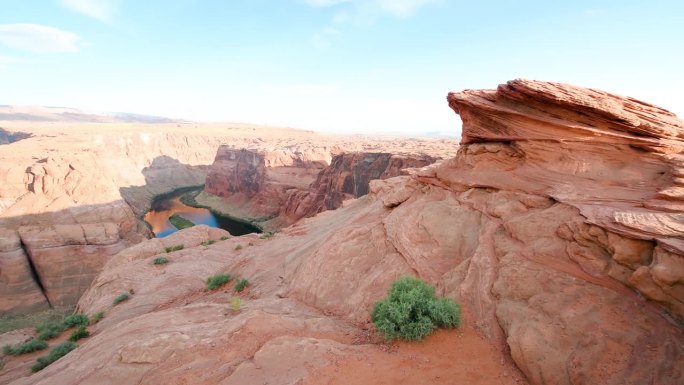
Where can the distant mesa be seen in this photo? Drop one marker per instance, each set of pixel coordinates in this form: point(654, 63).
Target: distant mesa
point(7, 137)
point(65, 114)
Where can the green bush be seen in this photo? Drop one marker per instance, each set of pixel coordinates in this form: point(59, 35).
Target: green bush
point(56, 353)
point(411, 311)
point(223, 238)
point(97, 317)
point(79, 333)
point(179, 222)
point(121, 298)
point(240, 285)
point(174, 248)
point(160, 261)
point(208, 242)
point(76, 320)
point(49, 330)
point(27, 347)
point(217, 281)
point(266, 235)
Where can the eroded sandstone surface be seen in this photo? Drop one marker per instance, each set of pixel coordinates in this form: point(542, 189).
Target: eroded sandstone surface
point(74, 192)
point(556, 288)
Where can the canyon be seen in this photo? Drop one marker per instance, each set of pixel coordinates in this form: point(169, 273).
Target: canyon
point(74, 192)
point(556, 224)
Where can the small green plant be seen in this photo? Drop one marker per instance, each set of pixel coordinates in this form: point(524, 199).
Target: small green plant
point(179, 222)
point(49, 330)
point(411, 311)
point(56, 353)
point(76, 320)
point(81, 332)
point(27, 347)
point(235, 303)
point(223, 238)
point(241, 284)
point(160, 261)
point(123, 297)
point(266, 235)
point(97, 317)
point(238, 247)
point(217, 281)
point(2, 364)
point(208, 242)
point(171, 249)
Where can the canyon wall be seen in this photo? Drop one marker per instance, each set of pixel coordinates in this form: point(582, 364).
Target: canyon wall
point(276, 189)
point(550, 227)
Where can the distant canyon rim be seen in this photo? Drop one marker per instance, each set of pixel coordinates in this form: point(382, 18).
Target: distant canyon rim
point(557, 224)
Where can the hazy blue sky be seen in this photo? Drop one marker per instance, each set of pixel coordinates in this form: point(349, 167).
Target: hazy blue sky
point(365, 66)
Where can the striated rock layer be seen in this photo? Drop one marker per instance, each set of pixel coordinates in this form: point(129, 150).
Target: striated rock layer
point(277, 189)
point(553, 292)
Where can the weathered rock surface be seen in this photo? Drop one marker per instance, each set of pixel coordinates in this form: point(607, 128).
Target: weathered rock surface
point(552, 291)
point(93, 175)
point(348, 176)
point(279, 188)
point(21, 293)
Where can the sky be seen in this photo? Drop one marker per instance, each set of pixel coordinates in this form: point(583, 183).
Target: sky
point(339, 66)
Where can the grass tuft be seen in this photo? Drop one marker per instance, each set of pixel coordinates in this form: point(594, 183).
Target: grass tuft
point(238, 247)
point(31, 346)
point(56, 353)
point(174, 248)
point(217, 281)
point(123, 297)
point(50, 330)
point(241, 284)
point(76, 320)
point(97, 317)
point(208, 242)
point(160, 261)
point(81, 332)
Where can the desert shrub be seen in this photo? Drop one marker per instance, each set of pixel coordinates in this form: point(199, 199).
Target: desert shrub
point(217, 281)
point(79, 333)
point(2, 364)
point(27, 347)
point(76, 320)
point(174, 248)
point(266, 235)
point(223, 238)
point(235, 303)
point(411, 311)
point(49, 330)
point(160, 261)
point(241, 284)
point(208, 242)
point(56, 353)
point(97, 317)
point(238, 246)
point(121, 298)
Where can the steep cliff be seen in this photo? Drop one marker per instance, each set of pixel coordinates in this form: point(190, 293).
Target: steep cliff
point(516, 228)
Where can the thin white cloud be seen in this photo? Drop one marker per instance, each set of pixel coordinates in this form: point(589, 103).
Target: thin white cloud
point(97, 9)
point(38, 38)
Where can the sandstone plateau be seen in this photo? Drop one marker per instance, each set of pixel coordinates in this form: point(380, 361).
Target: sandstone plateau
point(557, 227)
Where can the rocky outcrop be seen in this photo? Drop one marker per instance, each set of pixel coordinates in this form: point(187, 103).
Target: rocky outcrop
point(236, 171)
point(554, 289)
point(348, 176)
point(616, 160)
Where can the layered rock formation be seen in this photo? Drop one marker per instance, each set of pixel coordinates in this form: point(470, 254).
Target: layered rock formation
point(551, 285)
point(277, 189)
point(92, 177)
